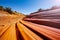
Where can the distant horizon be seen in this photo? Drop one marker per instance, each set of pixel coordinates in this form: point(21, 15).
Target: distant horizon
point(29, 6)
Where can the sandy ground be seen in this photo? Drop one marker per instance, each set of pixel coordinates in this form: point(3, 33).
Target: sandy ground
point(6, 19)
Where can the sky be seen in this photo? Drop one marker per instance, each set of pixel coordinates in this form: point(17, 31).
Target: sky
point(29, 6)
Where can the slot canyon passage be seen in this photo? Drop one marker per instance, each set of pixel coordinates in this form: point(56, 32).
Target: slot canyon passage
point(40, 25)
